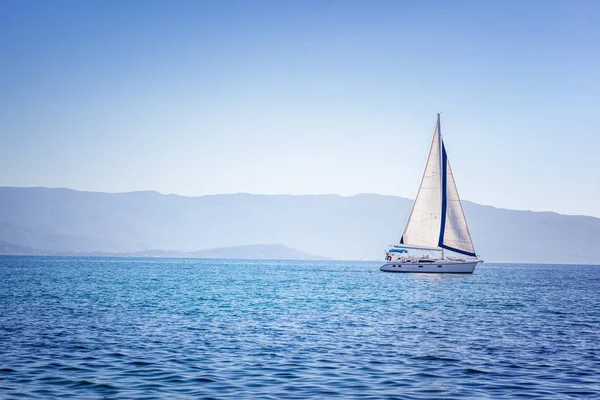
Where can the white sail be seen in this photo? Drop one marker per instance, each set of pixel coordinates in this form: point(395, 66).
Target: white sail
point(455, 233)
point(423, 227)
point(437, 219)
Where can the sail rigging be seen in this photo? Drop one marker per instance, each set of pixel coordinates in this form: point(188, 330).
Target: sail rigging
point(437, 219)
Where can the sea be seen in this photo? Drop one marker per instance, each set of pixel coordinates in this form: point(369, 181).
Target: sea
point(127, 328)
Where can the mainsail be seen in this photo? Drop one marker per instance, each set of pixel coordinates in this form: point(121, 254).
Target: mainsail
point(437, 219)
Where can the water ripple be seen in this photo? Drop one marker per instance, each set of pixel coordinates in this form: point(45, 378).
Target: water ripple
point(144, 328)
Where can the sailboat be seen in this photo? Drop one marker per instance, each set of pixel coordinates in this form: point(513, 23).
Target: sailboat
point(436, 224)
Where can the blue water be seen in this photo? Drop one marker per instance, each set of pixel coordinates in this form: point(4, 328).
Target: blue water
point(145, 328)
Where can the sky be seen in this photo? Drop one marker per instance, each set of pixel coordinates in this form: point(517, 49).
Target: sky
point(304, 97)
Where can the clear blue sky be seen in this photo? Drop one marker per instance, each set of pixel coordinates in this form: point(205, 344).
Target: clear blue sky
point(203, 97)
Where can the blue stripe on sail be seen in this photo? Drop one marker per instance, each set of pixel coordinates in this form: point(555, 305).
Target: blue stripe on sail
point(466, 253)
point(444, 197)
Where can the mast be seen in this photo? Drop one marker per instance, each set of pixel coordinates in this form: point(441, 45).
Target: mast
point(441, 159)
point(439, 129)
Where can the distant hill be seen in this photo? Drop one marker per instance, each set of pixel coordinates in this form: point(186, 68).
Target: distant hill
point(16, 250)
point(258, 251)
point(355, 227)
point(254, 251)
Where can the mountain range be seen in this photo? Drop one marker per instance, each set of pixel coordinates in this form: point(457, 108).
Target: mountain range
point(354, 227)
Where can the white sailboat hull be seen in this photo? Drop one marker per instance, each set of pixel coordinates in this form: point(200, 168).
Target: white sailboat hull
point(437, 267)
